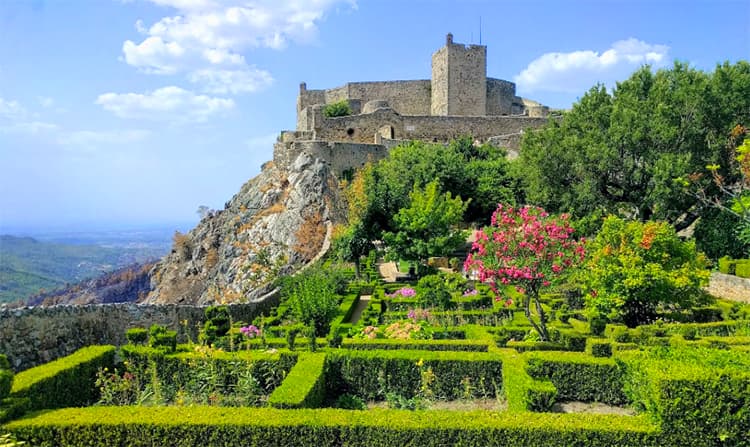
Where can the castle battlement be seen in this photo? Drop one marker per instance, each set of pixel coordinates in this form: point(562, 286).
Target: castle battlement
point(458, 100)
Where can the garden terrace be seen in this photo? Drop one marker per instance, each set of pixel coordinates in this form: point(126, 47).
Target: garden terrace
point(401, 374)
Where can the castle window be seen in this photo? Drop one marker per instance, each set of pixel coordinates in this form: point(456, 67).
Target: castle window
point(350, 131)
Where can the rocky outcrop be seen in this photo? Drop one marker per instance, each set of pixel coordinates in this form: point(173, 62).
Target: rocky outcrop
point(278, 222)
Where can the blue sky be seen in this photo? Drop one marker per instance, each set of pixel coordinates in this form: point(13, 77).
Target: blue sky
point(135, 112)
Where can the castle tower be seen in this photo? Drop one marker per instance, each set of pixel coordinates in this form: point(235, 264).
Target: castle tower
point(459, 79)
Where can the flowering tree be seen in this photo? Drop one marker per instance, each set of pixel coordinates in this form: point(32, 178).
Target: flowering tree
point(526, 248)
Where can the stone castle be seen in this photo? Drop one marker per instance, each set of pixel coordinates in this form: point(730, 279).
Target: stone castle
point(459, 100)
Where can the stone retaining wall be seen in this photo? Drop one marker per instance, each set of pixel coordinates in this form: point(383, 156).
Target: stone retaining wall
point(730, 287)
point(36, 335)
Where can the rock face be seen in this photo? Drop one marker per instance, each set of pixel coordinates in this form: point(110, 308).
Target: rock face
point(279, 221)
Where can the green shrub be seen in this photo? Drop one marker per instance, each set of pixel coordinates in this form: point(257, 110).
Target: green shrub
point(161, 338)
point(136, 336)
point(534, 345)
point(340, 108)
point(597, 325)
point(689, 332)
point(636, 269)
point(350, 402)
point(743, 269)
point(312, 297)
point(253, 427)
point(209, 371)
point(599, 348)
point(370, 374)
point(12, 408)
point(700, 396)
point(4, 362)
point(291, 335)
point(424, 345)
point(6, 383)
point(571, 339)
point(304, 386)
point(524, 393)
point(433, 291)
point(65, 382)
point(726, 265)
point(579, 377)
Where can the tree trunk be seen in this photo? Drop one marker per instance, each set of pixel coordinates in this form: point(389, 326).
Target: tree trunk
point(542, 331)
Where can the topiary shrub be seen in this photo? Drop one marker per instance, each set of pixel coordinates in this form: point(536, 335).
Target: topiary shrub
point(161, 338)
point(597, 324)
point(137, 336)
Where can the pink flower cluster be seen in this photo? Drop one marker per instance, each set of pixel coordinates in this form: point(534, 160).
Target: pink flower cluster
point(524, 247)
point(404, 292)
point(250, 331)
point(370, 332)
point(416, 315)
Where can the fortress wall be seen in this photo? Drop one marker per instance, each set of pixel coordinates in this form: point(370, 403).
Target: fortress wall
point(500, 95)
point(35, 335)
point(341, 156)
point(308, 98)
point(336, 94)
point(405, 97)
point(363, 127)
point(444, 128)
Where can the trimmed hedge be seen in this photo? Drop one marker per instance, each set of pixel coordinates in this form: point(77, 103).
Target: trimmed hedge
point(13, 407)
point(177, 369)
point(222, 427)
point(579, 376)
point(65, 382)
point(525, 346)
point(599, 347)
point(304, 386)
point(370, 374)
point(426, 345)
point(522, 392)
point(6, 383)
point(700, 396)
point(4, 362)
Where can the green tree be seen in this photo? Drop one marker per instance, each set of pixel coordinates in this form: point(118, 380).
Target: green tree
point(622, 151)
point(636, 269)
point(427, 227)
point(312, 297)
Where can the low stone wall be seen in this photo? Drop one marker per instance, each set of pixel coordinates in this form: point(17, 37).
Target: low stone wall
point(729, 287)
point(36, 335)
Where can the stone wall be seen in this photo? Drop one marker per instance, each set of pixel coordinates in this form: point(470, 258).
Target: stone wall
point(729, 287)
point(37, 335)
point(364, 128)
point(500, 95)
point(340, 156)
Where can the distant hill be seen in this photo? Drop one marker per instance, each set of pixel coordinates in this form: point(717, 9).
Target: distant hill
point(126, 284)
point(28, 266)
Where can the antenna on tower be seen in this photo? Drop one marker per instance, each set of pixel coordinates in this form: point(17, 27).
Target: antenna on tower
point(480, 30)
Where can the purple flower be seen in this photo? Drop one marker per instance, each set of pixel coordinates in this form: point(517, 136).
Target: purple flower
point(470, 292)
point(250, 331)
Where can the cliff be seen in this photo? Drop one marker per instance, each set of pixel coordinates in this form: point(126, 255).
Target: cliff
point(279, 221)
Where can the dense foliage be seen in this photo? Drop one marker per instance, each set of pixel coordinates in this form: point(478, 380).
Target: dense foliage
point(635, 269)
point(622, 150)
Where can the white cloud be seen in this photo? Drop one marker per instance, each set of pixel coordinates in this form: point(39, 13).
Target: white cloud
point(579, 70)
point(206, 35)
point(87, 138)
point(172, 104)
point(231, 81)
point(11, 110)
